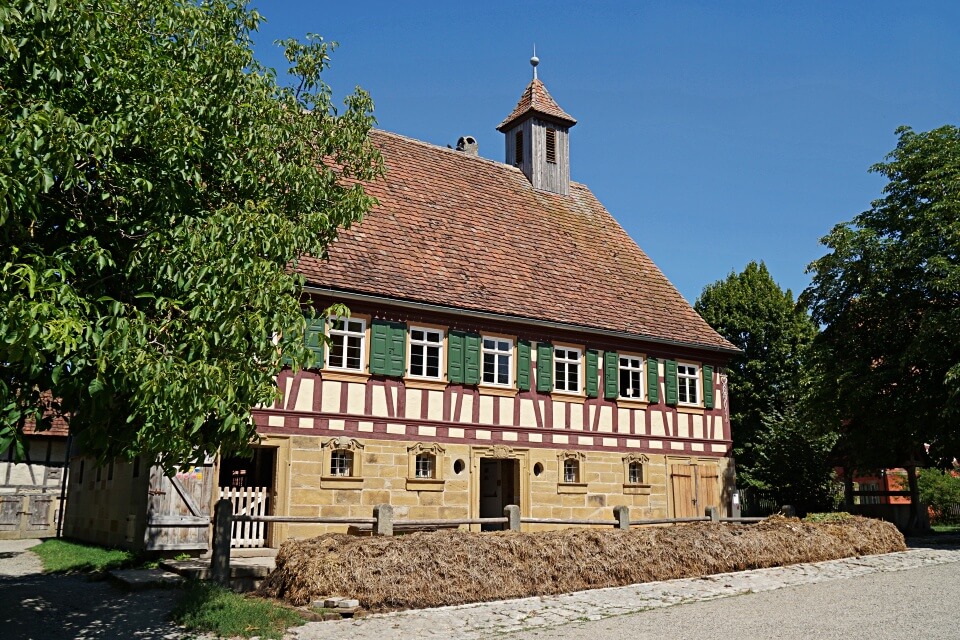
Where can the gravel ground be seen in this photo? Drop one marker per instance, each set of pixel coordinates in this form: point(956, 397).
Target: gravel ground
point(916, 603)
point(63, 607)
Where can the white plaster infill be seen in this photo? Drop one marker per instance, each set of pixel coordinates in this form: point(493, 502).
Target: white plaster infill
point(488, 619)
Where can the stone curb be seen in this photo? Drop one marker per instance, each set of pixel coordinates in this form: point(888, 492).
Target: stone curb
point(485, 619)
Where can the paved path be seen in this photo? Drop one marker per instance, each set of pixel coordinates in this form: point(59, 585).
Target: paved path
point(541, 617)
point(63, 607)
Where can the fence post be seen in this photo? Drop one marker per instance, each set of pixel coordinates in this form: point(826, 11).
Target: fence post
point(220, 560)
point(622, 515)
point(384, 515)
point(788, 511)
point(713, 513)
point(512, 512)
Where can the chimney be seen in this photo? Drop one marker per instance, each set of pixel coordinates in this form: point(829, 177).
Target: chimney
point(468, 144)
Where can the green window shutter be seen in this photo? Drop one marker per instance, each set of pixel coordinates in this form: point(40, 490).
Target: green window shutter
point(544, 367)
point(671, 378)
point(379, 345)
point(471, 359)
point(593, 360)
point(313, 336)
point(708, 387)
point(523, 365)
point(455, 340)
point(396, 349)
point(611, 375)
point(653, 381)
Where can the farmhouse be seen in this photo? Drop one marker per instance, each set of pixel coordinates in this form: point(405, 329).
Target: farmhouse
point(508, 343)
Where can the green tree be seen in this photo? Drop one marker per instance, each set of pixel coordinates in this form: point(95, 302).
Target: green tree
point(750, 310)
point(888, 295)
point(158, 187)
point(941, 491)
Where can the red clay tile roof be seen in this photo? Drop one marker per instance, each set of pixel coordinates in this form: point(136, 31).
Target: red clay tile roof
point(536, 98)
point(466, 232)
point(59, 426)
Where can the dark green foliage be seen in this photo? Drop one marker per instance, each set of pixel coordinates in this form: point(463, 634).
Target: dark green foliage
point(940, 490)
point(750, 310)
point(888, 293)
point(156, 186)
point(63, 556)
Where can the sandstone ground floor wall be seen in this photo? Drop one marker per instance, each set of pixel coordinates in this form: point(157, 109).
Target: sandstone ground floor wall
point(538, 479)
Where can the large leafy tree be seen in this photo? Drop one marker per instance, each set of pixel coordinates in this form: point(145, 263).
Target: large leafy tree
point(158, 186)
point(765, 380)
point(888, 293)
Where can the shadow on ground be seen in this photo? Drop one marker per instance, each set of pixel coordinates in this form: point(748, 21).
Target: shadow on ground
point(57, 606)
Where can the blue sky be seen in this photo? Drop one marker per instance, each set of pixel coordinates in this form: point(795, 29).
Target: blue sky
point(716, 133)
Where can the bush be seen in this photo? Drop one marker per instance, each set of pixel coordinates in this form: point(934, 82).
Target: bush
point(941, 491)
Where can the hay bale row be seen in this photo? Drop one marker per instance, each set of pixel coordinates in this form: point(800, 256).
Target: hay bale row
point(457, 567)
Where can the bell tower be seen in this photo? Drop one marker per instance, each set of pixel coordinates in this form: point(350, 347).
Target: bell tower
point(537, 135)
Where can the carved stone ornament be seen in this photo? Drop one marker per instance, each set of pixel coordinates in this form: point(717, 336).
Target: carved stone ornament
point(502, 451)
point(571, 455)
point(636, 457)
point(432, 448)
point(343, 442)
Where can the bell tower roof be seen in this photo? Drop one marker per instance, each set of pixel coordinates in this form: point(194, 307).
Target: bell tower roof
point(537, 100)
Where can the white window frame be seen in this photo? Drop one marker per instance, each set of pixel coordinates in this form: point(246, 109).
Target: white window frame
point(497, 354)
point(639, 368)
point(631, 466)
point(424, 466)
point(571, 471)
point(425, 345)
point(343, 335)
point(684, 380)
point(568, 362)
point(341, 463)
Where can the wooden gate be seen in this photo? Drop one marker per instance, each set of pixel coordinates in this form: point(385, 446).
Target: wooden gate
point(250, 501)
point(178, 509)
point(695, 487)
point(27, 515)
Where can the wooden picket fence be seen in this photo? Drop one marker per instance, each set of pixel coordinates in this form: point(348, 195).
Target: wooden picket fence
point(252, 502)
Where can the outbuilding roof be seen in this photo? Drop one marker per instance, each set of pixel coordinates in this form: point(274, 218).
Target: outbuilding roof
point(465, 232)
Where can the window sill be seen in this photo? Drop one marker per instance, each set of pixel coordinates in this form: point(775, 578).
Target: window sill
point(572, 487)
point(503, 392)
point(692, 409)
point(424, 484)
point(344, 376)
point(630, 403)
point(341, 482)
point(636, 489)
point(567, 396)
point(425, 383)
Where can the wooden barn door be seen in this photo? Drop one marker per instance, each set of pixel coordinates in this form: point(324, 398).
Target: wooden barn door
point(683, 479)
point(178, 509)
point(695, 487)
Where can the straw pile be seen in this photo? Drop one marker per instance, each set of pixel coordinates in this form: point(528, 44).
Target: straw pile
point(457, 567)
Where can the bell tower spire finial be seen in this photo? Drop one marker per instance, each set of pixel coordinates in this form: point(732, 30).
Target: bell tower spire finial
point(534, 61)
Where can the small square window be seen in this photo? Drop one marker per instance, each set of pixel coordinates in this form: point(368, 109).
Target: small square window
point(424, 465)
point(635, 473)
point(571, 470)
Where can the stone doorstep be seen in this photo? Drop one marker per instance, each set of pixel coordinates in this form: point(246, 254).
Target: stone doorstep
point(200, 569)
point(142, 579)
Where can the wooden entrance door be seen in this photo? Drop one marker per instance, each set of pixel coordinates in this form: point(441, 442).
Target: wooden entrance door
point(695, 487)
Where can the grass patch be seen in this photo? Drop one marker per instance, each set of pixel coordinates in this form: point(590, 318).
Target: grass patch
point(829, 516)
point(62, 556)
point(207, 607)
point(946, 528)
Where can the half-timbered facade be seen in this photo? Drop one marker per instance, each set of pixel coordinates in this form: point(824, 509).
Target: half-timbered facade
point(508, 343)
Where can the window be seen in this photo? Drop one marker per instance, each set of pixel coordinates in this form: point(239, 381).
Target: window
point(631, 377)
point(497, 360)
point(346, 344)
point(566, 364)
point(634, 473)
point(552, 146)
point(518, 148)
point(571, 470)
point(688, 383)
point(341, 463)
point(426, 353)
point(424, 465)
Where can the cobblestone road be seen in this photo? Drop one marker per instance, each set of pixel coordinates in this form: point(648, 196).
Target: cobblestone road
point(528, 615)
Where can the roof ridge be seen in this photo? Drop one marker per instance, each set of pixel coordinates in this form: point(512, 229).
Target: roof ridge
point(430, 145)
